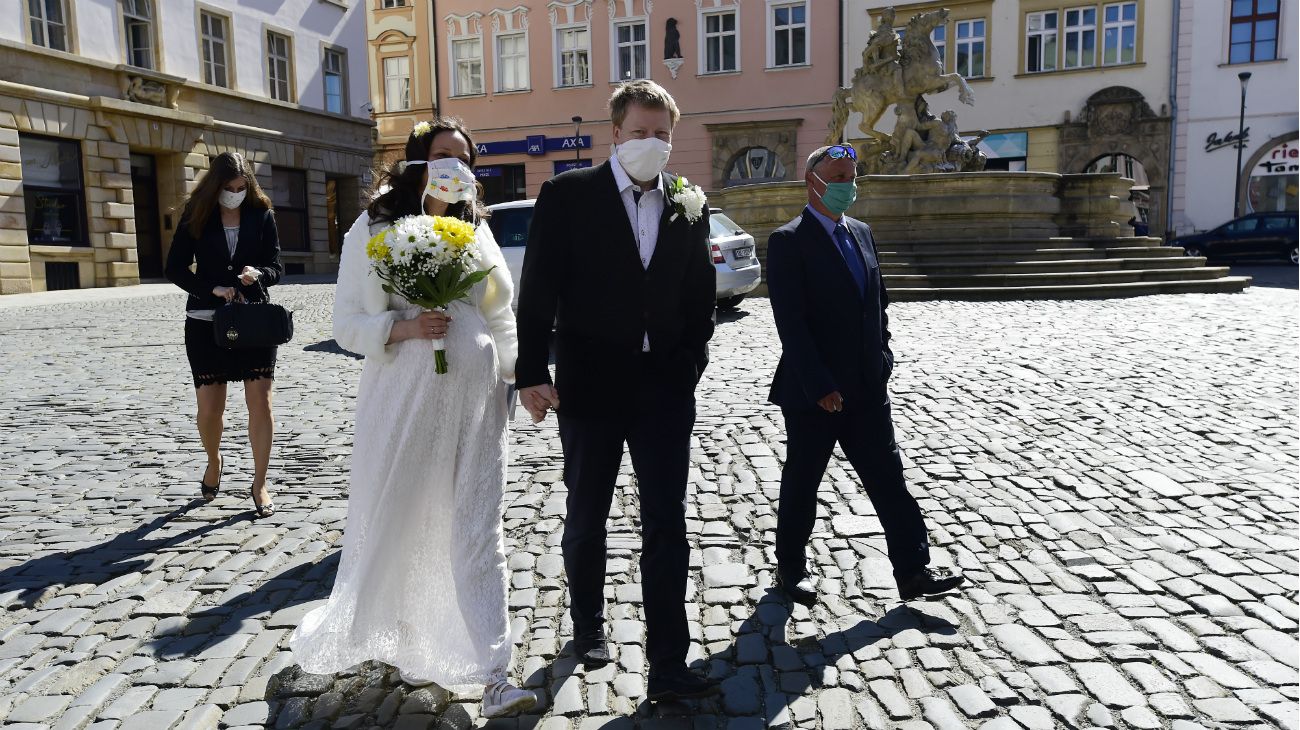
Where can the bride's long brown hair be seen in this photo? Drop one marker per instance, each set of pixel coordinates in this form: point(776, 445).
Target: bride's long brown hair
point(204, 200)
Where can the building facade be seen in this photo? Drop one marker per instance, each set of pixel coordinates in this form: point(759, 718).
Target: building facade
point(1217, 42)
point(111, 109)
point(403, 83)
point(1064, 86)
point(753, 80)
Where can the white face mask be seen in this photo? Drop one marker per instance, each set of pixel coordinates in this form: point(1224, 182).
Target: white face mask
point(643, 159)
point(450, 180)
point(232, 200)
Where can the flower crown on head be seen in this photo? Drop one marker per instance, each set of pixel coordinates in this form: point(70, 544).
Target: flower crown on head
point(421, 129)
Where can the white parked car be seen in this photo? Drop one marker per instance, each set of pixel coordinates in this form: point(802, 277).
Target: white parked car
point(734, 259)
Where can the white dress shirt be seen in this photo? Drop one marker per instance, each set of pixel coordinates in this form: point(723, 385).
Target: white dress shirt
point(643, 214)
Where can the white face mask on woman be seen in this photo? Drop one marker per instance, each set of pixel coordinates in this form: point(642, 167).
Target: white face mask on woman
point(450, 180)
point(643, 159)
point(231, 200)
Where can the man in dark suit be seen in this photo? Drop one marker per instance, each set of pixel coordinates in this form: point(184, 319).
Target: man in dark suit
point(618, 259)
point(829, 302)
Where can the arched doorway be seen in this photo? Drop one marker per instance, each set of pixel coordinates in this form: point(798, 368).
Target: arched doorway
point(1140, 194)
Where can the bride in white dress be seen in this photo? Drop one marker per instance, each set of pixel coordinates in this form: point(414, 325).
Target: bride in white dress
point(422, 582)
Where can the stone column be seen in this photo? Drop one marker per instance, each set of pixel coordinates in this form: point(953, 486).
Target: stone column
point(15, 258)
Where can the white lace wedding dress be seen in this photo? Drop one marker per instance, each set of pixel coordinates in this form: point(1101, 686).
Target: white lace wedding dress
point(422, 581)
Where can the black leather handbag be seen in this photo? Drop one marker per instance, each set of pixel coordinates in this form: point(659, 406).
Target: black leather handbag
point(245, 325)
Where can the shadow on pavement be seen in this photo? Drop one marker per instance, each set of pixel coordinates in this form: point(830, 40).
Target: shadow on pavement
point(126, 553)
point(1273, 276)
point(331, 347)
point(300, 582)
point(763, 675)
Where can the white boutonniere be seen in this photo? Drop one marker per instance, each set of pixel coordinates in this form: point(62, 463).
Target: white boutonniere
point(686, 199)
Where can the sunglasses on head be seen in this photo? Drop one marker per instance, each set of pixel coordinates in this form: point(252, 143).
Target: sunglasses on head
point(838, 152)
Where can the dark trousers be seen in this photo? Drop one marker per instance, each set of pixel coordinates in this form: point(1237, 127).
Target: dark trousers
point(866, 434)
point(655, 422)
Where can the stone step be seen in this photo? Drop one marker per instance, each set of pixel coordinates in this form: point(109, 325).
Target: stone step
point(1227, 284)
point(931, 268)
point(934, 247)
point(1042, 254)
point(1058, 278)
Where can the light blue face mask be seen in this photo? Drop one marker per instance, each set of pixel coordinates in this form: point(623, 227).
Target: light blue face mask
point(839, 196)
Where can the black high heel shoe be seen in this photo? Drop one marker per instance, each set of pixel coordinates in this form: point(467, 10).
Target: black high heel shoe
point(210, 493)
point(263, 510)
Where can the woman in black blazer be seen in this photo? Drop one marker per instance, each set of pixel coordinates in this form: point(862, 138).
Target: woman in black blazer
point(228, 229)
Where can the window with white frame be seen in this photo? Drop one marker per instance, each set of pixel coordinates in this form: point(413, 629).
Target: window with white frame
point(1119, 33)
point(1080, 38)
point(721, 42)
point(512, 62)
point(1040, 41)
point(214, 34)
point(334, 66)
point(394, 4)
point(970, 48)
point(789, 40)
point(467, 58)
point(49, 23)
point(939, 37)
point(397, 83)
point(573, 46)
point(137, 18)
point(631, 51)
point(279, 66)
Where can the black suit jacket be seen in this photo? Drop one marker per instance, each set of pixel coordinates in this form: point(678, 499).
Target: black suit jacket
point(259, 247)
point(833, 337)
point(583, 272)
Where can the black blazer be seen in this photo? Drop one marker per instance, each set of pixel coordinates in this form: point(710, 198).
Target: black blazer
point(583, 272)
point(833, 337)
point(259, 247)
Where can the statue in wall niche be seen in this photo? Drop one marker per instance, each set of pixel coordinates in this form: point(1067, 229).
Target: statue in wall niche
point(673, 47)
point(672, 40)
point(899, 72)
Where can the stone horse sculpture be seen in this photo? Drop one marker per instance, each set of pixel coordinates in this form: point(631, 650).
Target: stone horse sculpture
point(914, 70)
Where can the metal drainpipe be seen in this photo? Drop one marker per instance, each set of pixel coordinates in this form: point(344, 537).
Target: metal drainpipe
point(844, 39)
point(1173, 123)
point(433, 54)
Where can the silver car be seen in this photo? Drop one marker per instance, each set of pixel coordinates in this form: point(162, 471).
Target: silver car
point(734, 259)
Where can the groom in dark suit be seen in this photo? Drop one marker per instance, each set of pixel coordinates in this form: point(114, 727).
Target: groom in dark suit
point(829, 303)
point(618, 259)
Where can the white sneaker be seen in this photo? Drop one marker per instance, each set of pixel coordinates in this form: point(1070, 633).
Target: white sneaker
point(413, 681)
point(503, 699)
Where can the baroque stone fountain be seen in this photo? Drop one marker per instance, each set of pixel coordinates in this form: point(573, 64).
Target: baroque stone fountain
point(900, 72)
point(945, 227)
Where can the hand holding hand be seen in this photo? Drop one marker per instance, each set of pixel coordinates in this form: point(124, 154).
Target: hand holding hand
point(538, 399)
point(249, 275)
point(833, 403)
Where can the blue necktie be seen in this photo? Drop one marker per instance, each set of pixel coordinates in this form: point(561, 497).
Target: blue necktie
point(849, 250)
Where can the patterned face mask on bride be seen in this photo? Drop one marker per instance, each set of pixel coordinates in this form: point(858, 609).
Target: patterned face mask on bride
point(450, 179)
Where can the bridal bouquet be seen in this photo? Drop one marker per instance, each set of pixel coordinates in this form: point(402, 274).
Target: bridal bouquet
point(427, 260)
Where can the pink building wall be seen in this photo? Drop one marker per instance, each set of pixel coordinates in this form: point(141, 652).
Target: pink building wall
point(756, 93)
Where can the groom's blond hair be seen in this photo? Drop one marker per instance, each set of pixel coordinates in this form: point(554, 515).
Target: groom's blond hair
point(644, 93)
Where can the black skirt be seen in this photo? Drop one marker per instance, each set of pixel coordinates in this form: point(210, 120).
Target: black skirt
point(211, 364)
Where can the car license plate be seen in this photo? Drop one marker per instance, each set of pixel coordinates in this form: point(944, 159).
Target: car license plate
point(742, 253)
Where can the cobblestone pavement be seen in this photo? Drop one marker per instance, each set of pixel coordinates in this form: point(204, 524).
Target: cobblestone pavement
point(1117, 479)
